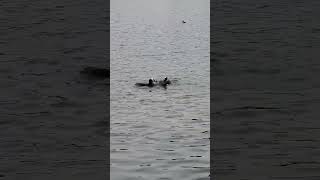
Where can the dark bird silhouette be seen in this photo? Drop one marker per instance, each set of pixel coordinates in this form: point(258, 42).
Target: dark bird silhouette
point(164, 82)
point(183, 21)
point(150, 84)
point(153, 83)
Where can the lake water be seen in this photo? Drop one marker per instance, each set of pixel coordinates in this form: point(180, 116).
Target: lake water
point(53, 121)
point(159, 133)
point(266, 89)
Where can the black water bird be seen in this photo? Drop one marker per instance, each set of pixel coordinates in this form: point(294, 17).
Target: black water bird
point(151, 83)
point(164, 82)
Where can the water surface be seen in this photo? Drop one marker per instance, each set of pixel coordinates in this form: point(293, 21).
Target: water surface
point(159, 133)
point(266, 89)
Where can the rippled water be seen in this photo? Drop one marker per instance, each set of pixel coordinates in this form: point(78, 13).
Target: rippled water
point(266, 89)
point(159, 133)
point(52, 119)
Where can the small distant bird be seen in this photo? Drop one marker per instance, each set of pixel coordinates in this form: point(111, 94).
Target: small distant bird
point(183, 21)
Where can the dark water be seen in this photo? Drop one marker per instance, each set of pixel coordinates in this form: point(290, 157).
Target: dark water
point(265, 74)
point(52, 120)
point(160, 133)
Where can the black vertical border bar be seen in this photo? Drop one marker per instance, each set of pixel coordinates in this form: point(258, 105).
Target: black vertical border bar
point(283, 165)
point(108, 91)
point(211, 89)
point(25, 151)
